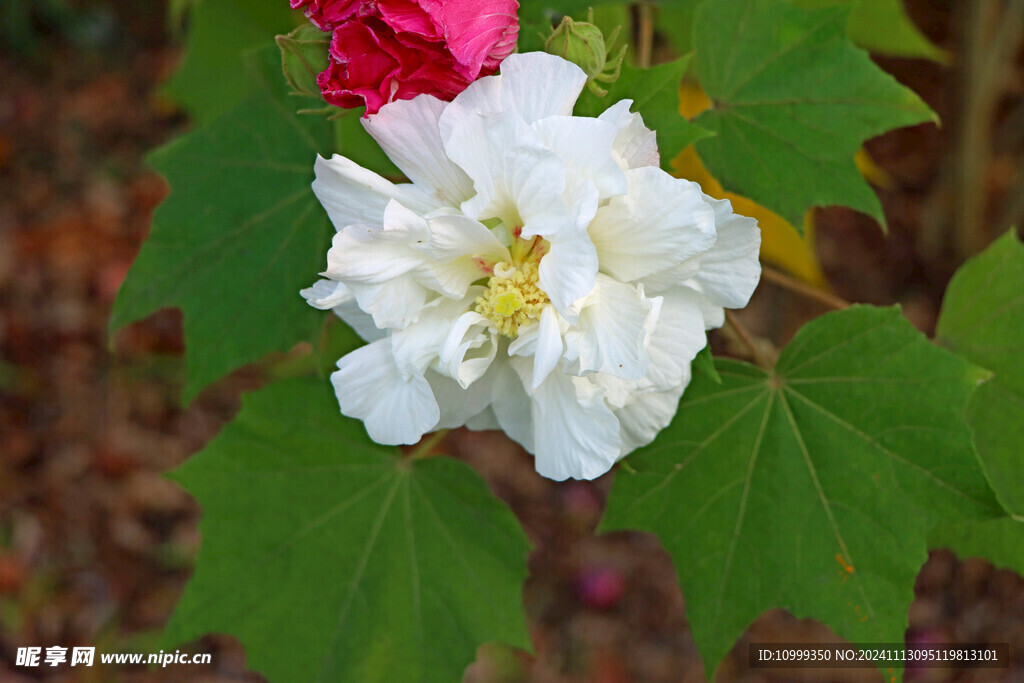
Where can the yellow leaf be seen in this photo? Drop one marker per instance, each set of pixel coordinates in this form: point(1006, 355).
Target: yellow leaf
point(781, 244)
point(692, 99)
point(872, 172)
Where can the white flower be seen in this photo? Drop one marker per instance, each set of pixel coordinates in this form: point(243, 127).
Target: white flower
point(540, 274)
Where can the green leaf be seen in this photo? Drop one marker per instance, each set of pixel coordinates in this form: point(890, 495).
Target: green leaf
point(354, 142)
point(1000, 541)
point(550, 8)
point(334, 559)
point(883, 27)
point(655, 95)
point(996, 414)
point(811, 488)
point(675, 22)
point(704, 362)
point(338, 340)
point(982, 319)
point(538, 16)
point(212, 79)
point(793, 100)
point(176, 11)
point(240, 234)
point(879, 26)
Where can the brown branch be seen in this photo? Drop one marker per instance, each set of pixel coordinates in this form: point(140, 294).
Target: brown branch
point(645, 39)
point(802, 288)
point(764, 358)
point(981, 92)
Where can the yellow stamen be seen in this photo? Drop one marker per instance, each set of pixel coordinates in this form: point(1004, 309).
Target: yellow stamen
point(508, 303)
point(513, 298)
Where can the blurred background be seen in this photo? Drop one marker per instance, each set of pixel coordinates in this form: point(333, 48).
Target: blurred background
point(96, 545)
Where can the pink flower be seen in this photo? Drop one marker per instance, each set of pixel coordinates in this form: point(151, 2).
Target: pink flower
point(326, 14)
point(370, 65)
point(385, 50)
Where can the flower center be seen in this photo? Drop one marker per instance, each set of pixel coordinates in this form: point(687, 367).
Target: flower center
point(513, 296)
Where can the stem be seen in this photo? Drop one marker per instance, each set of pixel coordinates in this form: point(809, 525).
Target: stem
point(981, 91)
point(802, 288)
point(755, 351)
point(1007, 40)
point(645, 39)
point(425, 446)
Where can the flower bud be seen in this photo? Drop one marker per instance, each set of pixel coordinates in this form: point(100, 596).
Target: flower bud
point(303, 57)
point(581, 43)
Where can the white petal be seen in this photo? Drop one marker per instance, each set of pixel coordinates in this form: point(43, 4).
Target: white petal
point(678, 275)
point(678, 336)
point(575, 433)
point(326, 294)
point(452, 278)
point(458, 405)
point(482, 96)
point(418, 344)
point(714, 316)
point(525, 344)
point(635, 144)
point(516, 178)
point(612, 333)
point(408, 132)
point(393, 304)
point(378, 253)
point(585, 147)
point(646, 415)
point(729, 271)
point(379, 266)
point(549, 346)
point(395, 409)
point(568, 272)
point(468, 348)
point(359, 320)
point(535, 85)
point(454, 236)
point(659, 223)
point(461, 251)
point(582, 200)
point(483, 420)
point(618, 392)
point(511, 404)
point(352, 195)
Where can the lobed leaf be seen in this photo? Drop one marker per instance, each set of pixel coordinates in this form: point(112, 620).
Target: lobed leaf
point(999, 541)
point(211, 80)
point(655, 95)
point(675, 22)
point(982, 319)
point(793, 100)
point(354, 142)
point(530, 9)
point(883, 27)
point(811, 488)
point(240, 234)
point(334, 559)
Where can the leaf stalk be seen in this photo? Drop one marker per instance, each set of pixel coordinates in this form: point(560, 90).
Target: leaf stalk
point(802, 288)
point(425, 447)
